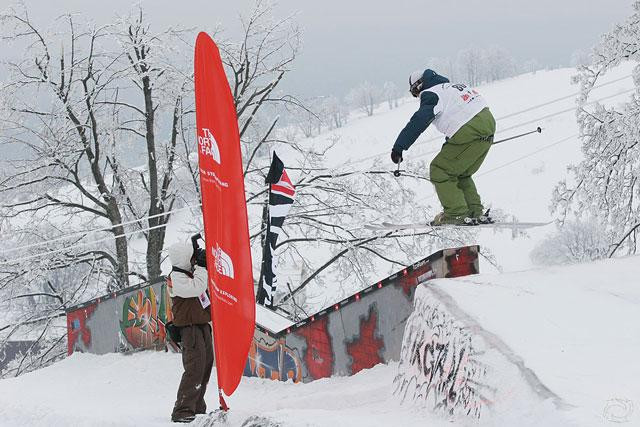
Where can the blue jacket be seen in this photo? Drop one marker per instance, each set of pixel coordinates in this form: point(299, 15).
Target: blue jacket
point(422, 118)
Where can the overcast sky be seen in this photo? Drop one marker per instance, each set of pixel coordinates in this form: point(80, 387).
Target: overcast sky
point(378, 40)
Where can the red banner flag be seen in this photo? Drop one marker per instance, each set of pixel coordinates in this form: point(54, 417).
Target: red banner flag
point(225, 216)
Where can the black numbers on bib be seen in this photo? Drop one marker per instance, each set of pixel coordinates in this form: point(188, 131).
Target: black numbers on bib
point(459, 86)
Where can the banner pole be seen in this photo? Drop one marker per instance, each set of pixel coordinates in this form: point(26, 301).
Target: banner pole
point(265, 242)
point(223, 404)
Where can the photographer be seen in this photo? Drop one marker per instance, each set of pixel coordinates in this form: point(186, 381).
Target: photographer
point(191, 314)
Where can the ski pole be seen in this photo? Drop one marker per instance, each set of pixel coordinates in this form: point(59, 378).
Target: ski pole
point(538, 130)
point(396, 172)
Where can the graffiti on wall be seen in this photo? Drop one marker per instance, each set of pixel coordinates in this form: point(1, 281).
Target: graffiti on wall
point(409, 280)
point(272, 360)
point(462, 262)
point(144, 317)
point(438, 364)
point(318, 356)
point(360, 332)
point(348, 338)
point(365, 348)
point(77, 327)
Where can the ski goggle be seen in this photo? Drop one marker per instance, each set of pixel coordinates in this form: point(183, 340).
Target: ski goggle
point(415, 88)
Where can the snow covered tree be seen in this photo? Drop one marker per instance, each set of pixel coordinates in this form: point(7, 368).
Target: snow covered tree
point(475, 65)
point(257, 64)
point(365, 97)
point(575, 241)
point(531, 66)
point(81, 113)
point(606, 181)
point(96, 114)
point(498, 64)
point(335, 112)
point(102, 127)
point(470, 64)
point(309, 120)
point(391, 94)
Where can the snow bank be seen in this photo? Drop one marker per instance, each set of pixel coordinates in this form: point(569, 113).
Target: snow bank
point(450, 365)
point(139, 390)
point(498, 345)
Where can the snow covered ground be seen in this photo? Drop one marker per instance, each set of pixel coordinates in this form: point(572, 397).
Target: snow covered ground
point(139, 390)
point(576, 327)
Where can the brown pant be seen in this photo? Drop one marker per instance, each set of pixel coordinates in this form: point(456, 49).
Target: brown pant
point(197, 359)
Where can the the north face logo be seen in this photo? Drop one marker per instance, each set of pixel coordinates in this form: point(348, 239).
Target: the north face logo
point(224, 264)
point(208, 145)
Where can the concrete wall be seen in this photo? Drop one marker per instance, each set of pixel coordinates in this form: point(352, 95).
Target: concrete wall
point(132, 319)
point(353, 334)
point(358, 332)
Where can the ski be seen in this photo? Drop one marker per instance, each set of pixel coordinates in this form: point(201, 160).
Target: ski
point(421, 225)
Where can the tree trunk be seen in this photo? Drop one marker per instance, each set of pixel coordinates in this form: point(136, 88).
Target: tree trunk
point(122, 252)
point(155, 239)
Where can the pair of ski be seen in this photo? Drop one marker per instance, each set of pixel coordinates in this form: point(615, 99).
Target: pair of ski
point(510, 225)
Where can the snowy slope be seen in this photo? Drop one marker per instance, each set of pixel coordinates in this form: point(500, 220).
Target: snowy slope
point(518, 176)
point(576, 327)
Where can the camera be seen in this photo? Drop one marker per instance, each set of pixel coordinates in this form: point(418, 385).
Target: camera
point(199, 254)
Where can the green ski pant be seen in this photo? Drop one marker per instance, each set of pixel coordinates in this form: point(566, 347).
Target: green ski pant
point(459, 158)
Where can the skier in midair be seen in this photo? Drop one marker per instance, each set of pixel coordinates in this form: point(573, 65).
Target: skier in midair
point(463, 116)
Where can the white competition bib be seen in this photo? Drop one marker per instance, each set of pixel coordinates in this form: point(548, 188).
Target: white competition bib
point(457, 104)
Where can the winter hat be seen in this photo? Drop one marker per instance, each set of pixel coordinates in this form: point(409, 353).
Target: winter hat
point(180, 255)
point(430, 78)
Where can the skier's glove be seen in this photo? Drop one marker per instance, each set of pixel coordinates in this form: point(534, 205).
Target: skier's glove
point(396, 156)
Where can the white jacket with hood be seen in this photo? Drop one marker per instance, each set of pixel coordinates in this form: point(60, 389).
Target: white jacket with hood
point(182, 285)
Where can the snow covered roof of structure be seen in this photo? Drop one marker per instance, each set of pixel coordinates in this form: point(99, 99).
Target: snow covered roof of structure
point(271, 320)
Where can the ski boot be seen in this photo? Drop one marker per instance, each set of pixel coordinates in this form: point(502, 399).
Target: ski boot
point(183, 419)
point(484, 218)
point(442, 219)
